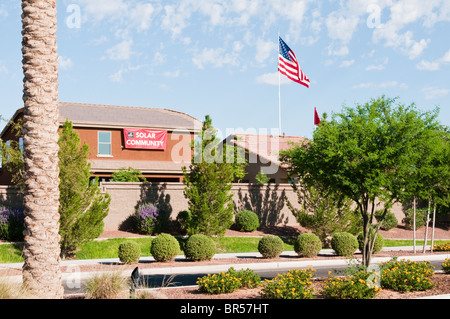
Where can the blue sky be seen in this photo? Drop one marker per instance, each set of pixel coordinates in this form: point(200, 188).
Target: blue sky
point(220, 57)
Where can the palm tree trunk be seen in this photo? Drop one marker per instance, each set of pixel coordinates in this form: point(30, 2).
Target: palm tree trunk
point(41, 270)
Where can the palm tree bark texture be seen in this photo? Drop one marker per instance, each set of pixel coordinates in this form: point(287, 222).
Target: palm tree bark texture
point(41, 270)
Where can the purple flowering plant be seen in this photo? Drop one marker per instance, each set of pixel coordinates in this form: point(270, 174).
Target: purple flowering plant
point(147, 217)
point(11, 223)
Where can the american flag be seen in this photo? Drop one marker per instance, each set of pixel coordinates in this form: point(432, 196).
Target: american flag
point(288, 65)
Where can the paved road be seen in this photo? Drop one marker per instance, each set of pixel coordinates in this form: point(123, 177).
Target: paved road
point(73, 285)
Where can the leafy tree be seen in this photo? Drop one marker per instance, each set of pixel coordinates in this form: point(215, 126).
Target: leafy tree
point(12, 155)
point(323, 214)
point(262, 178)
point(127, 174)
point(208, 183)
point(82, 206)
point(365, 153)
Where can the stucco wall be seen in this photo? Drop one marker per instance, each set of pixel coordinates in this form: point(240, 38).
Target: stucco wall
point(267, 201)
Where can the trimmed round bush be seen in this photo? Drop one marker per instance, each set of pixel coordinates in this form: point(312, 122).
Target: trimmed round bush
point(164, 247)
point(344, 244)
point(246, 221)
point(389, 221)
point(129, 252)
point(270, 246)
point(379, 243)
point(199, 247)
point(307, 245)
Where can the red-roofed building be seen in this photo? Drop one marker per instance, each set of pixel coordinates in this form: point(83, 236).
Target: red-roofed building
point(153, 140)
point(262, 154)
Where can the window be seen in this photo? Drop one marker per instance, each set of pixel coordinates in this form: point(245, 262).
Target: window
point(104, 143)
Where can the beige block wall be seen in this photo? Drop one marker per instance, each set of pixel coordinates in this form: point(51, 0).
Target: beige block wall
point(267, 201)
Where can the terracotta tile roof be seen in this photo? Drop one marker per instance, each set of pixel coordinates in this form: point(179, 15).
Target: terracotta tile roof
point(83, 114)
point(267, 146)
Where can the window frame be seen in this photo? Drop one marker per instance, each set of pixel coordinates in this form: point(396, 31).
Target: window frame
point(104, 143)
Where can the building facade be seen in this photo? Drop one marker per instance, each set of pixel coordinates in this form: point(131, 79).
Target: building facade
point(261, 152)
point(155, 141)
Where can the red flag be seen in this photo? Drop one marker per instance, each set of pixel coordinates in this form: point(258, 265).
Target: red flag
point(316, 117)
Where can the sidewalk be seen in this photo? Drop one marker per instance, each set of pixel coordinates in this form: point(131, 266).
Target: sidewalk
point(73, 269)
point(199, 267)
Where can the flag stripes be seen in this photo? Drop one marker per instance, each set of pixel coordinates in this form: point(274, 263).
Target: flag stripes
point(288, 65)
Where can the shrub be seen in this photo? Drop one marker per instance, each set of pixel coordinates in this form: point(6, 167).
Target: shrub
point(107, 286)
point(379, 243)
point(446, 266)
point(146, 216)
point(164, 247)
point(129, 252)
point(389, 221)
point(270, 246)
point(421, 217)
point(221, 283)
point(355, 286)
point(295, 284)
point(344, 244)
point(307, 245)
point(249, 279)
point(229, 281)
point(445, 246)
point(405, 275)
point(246, 221)
point(11, 224)
point(182, 219)
point(199, 247)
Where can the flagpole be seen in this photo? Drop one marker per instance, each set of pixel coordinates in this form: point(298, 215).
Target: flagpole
point(279, 86)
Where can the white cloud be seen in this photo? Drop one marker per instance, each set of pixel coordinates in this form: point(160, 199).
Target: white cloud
point(383, 85)
point(175, 18)
point(3, 12)
point(434, 92)
point(173, 74)
point(340, 51)
point(121, 51)
point(428, 66)
point(64, 63)
point(404, 13)
point(434, 65)
point(218, 57)
point(118, 76)
point(159, 58)
point(272, 79)
point(141, 14)
point(3, 68)
point(130, 14)
point(346, 63)
point(103, 9)
point(264, 50)
point(341, 27)
point(377, 67)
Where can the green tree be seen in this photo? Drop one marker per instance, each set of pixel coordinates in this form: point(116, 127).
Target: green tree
point(127, 174)
point(12, 155)
point(364, 153)
point(214, 167)
point(82, 206)
point(323, 214)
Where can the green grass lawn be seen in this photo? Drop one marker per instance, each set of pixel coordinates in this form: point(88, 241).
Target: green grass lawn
point(11, 253)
